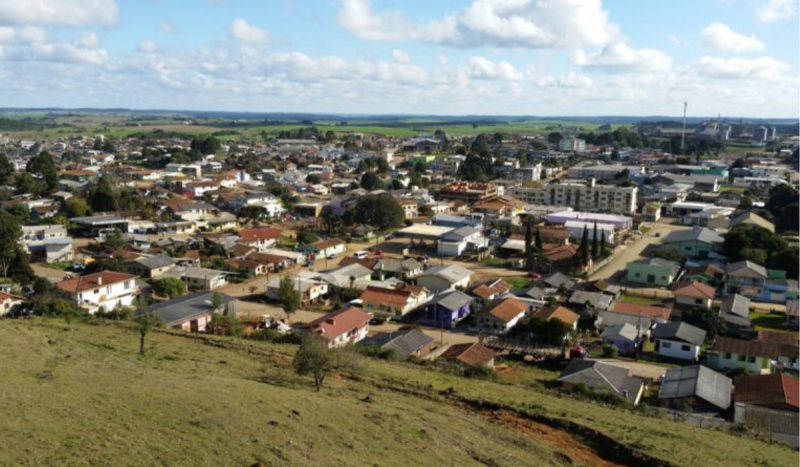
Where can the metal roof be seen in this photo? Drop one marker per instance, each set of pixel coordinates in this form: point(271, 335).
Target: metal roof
point(697, 381)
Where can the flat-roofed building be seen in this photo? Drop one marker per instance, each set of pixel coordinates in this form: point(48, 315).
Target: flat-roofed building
point(583, 195)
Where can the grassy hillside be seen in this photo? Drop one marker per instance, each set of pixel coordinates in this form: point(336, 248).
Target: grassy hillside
point(84, 397)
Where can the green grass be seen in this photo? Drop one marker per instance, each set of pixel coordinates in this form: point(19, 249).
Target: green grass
point(768, 321)
point(644, 229)
point(85, 397)
point(518, 282)
point(734, 189)
point(637, 300)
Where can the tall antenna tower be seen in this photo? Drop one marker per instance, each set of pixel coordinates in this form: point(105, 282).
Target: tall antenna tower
point(683, 132)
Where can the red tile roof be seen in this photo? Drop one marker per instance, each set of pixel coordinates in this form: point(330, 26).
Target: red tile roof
point(93, 281)
point(505, 309)
point(339, 322)
point(647, 311)
point(564, 314)
point(774, 390)
point(259, 233)
point(693, 289)
point(472, 354)
point(398, 298)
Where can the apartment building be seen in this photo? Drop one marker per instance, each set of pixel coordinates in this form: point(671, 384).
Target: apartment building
point(603, 172)
point(469, 192)
point(582, 196)
point(572, 144)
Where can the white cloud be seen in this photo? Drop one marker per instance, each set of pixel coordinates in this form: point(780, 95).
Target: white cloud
point(481, 68)
point(719, 36)
point(33, 34)
point(247, 33)
point(775, 10)
point(534, 24)
point(741, 68)
point(621, 58)
point(400, 57)
point(147, 47)
point(570, 80)
point(59, 12)
point(167, 27)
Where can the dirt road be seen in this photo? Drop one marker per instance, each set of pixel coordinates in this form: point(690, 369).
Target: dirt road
point(641, 369)
point(634, 250)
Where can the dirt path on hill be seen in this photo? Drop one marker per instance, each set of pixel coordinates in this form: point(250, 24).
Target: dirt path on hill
point(561, 441)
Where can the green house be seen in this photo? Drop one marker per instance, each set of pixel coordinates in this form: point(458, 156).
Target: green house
point(697, 243)
point(653, 271)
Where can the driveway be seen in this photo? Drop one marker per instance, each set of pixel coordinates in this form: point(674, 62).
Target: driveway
point(54, 275)
point(634, 250)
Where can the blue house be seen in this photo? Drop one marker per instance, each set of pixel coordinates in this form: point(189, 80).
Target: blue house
point(446, 310)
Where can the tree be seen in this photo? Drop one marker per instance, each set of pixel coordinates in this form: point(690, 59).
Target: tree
point(21, 212)
point(554, 138)
point(583, 249)
point(528, 246)
point(6, 169)
point(10, 233)
point(43, 165)
point(145, 321)
point(603, 244)
point(789, 220)
point(381, 211)
point(169, 286)
point(331, 222)
point(252, 213)
point(288, 296)
point(745, 203)
point(114, 240)
point(370, 182)
point(314, 358)
point(708, 320)
point(750, 237)
point(779, 197)
point(307, 237)
point(538, 241)
point(669, 253)
point(103, 196)
point(223, 325)
point(76, 207)
point(595, 244)
point(787, 260)
point(313, 179)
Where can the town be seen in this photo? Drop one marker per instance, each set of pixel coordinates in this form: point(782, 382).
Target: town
point(598, 261)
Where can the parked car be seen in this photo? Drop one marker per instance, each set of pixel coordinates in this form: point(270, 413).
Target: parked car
point(377, 321)
point(361, 254)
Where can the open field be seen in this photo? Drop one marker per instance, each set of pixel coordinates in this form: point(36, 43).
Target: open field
point(85, 397)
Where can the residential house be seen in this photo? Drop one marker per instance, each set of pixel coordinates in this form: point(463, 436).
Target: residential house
point(745, 278)
point(559, 281)
point(643, 316)
point(735, 310)
point(603, 377)
point(697, 243)
point(565, 315)
point(693, 294)
point(777, 391)
point(197, 278)
point(792, 314)
point(249, 266)
point(312, 289)
point(342, 327)
point(460, 241)
point(653, 271)
point(500, 315)
point(489, 290)
point(625, 337)
point(710, 274)
point(393, 302)
point(678, 340)
point(261, 238)
point(695, 388)
point(193, 312)
point(330, 248)
point(755, 356)
point(446, 310)
point(405, 344)
point(441, 278)
point(582, 299)
point(10, 303)
point(750, 218)
point(102, 291)
point(470, 355)
point(151, 266)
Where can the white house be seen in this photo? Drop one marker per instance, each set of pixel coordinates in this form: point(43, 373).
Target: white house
point(101, 291)
point(678, 340)
point(459, 241)
point(308, 284)
point(198, 278)
point(9, 303)
point(576, 229)
point(330, 248)
point(342, 327)
point(441, 278)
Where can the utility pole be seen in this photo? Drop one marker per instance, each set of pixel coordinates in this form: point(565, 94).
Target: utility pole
point(683, 132)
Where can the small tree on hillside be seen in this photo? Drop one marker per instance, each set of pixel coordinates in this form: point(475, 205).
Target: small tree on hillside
point(314, 358)
point(528, 246)
point(595, 245)
point(288, 296)
point(538, 241)
point(583, 249)
point(146, 321)
point(170, 286)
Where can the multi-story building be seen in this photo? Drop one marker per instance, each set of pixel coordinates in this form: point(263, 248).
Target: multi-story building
point(527, 174)
point(572, 144)
point(583, 196)
point(603, 172)
point(469, 192)
point(101, 291)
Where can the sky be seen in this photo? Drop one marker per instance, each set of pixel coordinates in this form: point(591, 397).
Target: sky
point(444, 57)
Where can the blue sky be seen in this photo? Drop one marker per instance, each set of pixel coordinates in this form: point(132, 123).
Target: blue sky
point(512, 57)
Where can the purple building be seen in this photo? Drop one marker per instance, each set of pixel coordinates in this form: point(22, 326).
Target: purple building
point(446, 310)
point(619, 222)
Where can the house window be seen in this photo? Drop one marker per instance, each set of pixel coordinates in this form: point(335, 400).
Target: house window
point(685, 348)
point(728, 356)
point(698, 301)
point(108, 290)
point(666, 345)
point(751, 359)
point(742, 358)
point(637, 274)
point(128, 284)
